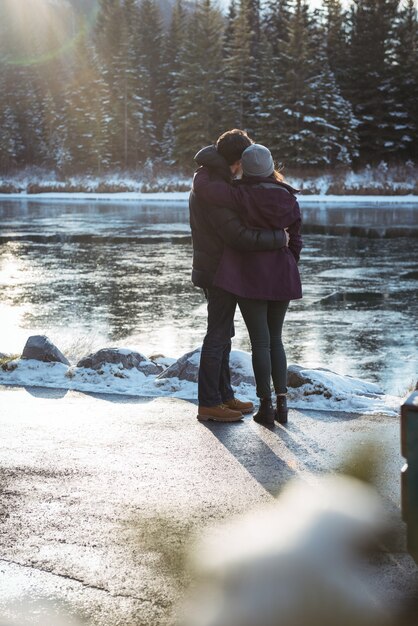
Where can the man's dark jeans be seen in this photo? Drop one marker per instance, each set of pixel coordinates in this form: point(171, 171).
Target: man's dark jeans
point(214, 376)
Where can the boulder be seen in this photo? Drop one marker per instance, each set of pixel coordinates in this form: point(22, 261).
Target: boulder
point(297, 376)
point(185, 368)
point(321, 378)
point(41, 348)
point(127, 358)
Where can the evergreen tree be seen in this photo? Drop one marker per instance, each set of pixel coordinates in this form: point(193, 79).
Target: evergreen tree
point(131, 129)
point(56, 131)
point(29, 110)
point(196, 114)
point(88, 115)
point(337, 40)
point(21, 101)
point(229, 28)
point(11, 143)
point(372, 81)
point(276, 25)
point(406, 59)
point(171, 55)
point(274, 61)
point(108, 34)
point(315, 124)
point(310, 85)
point(139, 84)
point(149, 35)
point(241, 101)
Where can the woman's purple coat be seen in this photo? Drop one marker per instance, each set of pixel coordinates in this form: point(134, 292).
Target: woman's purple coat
point(262, 203)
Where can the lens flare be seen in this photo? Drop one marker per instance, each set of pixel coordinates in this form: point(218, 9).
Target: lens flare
point(35, 32)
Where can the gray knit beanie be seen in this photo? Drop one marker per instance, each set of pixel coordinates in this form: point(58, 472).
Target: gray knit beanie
point(256, 160)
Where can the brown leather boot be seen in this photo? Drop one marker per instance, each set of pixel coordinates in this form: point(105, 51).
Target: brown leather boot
point(219, 413)
point(265, 414)
point(239, 405)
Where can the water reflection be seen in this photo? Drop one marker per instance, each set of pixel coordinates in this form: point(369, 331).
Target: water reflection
point(358, 315)
point(363, 214)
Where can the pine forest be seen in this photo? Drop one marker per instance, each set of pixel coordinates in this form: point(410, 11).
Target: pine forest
point(121, 83)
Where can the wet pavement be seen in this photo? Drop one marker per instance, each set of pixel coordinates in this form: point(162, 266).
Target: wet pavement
point(101, 496)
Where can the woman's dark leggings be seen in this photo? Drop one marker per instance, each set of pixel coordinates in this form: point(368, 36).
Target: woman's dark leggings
point(264, 320)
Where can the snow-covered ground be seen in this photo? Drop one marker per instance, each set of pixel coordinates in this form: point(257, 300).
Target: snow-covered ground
point(326, 391)
point(154, 182)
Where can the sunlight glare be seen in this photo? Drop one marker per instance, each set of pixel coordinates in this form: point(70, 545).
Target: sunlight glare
point(42, 30)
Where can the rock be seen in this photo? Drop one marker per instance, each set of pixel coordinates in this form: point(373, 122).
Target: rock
point(185, 368)
point(162, 361)
point(127, 358)
point(353, 296)
point(3, 356)
point(412, 275)
point(337, 390)
point(319, 379)
point(156, 357)
point(41, 348)
point(296, 376)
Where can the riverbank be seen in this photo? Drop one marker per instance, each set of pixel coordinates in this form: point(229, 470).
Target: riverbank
point(183, 196)
point(129, 373)
point(380, 180)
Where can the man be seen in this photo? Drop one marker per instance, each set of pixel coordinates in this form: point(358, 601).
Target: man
point(212, 227)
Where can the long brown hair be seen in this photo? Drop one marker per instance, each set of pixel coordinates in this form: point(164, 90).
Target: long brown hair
point(278, 176)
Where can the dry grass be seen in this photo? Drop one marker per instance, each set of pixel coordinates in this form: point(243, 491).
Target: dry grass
point(380, 179)
point(7, 358)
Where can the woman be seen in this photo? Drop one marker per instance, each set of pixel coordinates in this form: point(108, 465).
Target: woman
point(264, 282)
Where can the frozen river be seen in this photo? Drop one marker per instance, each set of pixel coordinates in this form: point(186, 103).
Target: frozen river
point(95, 274)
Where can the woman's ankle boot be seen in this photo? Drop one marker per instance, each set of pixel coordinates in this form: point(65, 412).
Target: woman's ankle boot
point(265, 414)
point(281, 410)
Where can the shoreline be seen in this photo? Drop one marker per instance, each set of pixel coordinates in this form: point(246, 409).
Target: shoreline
point(317, 389)
point(183, 196)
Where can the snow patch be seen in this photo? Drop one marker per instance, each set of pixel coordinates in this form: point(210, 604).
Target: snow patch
point(325, 391)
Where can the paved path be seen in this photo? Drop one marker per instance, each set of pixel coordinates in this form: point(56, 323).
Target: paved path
point(101, 495)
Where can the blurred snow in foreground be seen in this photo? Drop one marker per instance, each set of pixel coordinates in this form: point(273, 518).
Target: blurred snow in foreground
point(292, 563)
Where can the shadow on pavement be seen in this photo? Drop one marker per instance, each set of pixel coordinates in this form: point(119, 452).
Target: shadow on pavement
point(312, 456)
point(118, 398)
point(268, 469)
point(53, 393)
point(46, 392)
point(328, 416)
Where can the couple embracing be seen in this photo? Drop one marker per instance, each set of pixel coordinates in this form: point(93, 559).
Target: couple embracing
point(245, 222)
